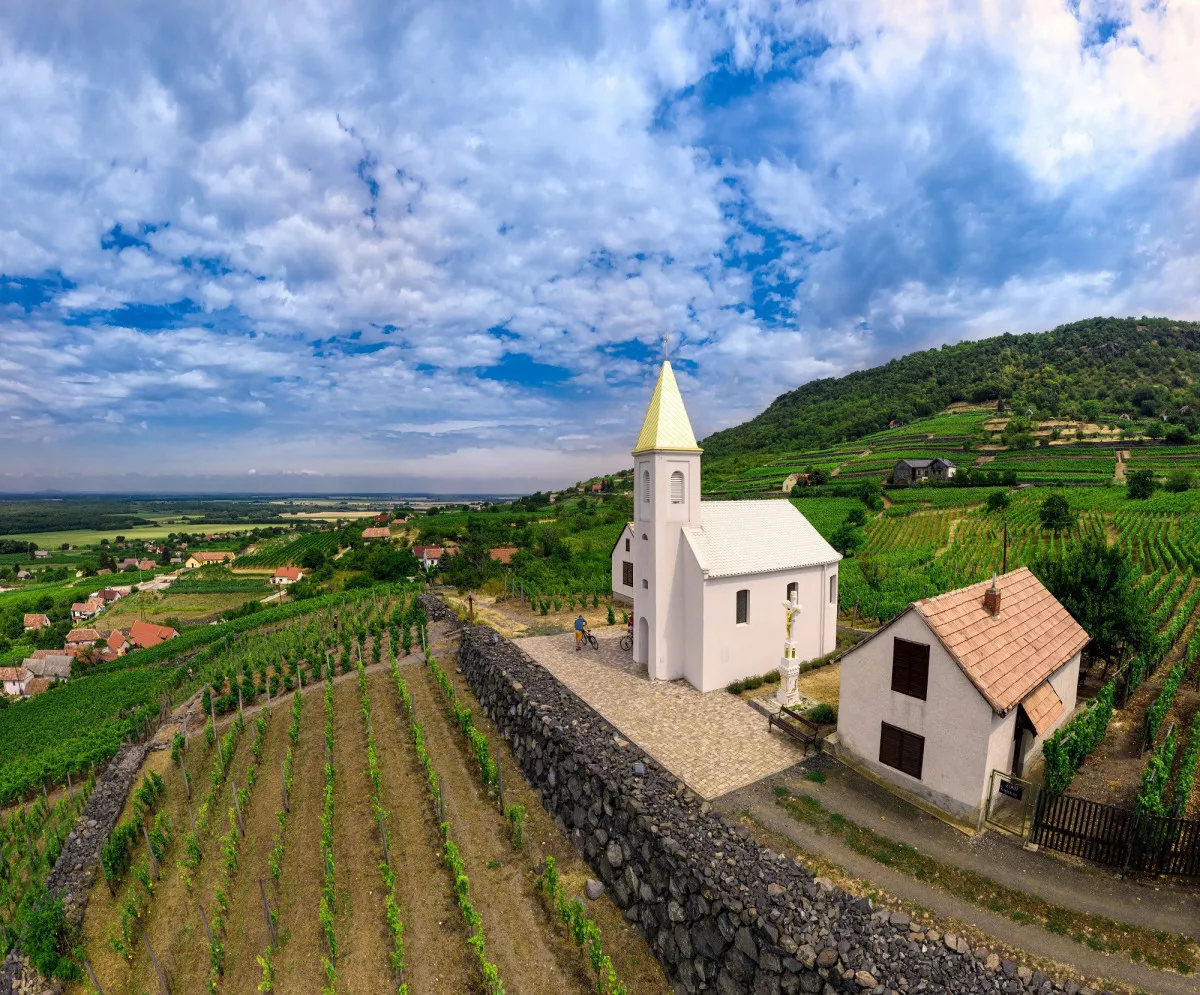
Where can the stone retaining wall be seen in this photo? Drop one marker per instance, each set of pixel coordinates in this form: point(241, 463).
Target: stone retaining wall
point(75, 870)
point(721, 913)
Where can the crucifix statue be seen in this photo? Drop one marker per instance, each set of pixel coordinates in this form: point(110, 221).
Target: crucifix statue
point(789, 668)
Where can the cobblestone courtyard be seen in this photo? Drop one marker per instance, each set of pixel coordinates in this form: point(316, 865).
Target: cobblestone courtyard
point(714, 742)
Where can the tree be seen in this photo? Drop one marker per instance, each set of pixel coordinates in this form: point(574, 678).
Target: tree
point(1098, 586)
point(998, 501)
point(817, 476)
point(857, 516)
point(846, 539)
point(1180, 480)
point(1055, 513)
point(1178, 434)
point(312, 558)
point(1140, 484)
point(1155, 429)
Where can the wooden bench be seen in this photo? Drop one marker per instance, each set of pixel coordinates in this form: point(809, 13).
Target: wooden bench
point(796, 725)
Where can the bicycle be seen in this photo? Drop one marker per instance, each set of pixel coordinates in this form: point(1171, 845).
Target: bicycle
point(591, 640)
point(626, 642)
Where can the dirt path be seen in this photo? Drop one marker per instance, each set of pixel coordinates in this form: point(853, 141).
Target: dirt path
point(435, 941)
point(246, 936)
point(359, 925)
point(174, 925)
point(103, 911)
point(298, 963)
point(531, 956)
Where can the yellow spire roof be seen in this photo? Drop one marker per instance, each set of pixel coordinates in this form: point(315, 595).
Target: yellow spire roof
point(666, 425)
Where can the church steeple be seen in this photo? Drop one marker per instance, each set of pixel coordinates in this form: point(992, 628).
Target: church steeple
point(666, 425)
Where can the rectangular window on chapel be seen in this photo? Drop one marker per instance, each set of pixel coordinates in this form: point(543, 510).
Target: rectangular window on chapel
point(627, 574)
point(901, 749)
point(910, 668)
point(743, 607)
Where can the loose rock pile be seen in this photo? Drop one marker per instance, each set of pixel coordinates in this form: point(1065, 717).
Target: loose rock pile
point(721, 913)
point(75, 870)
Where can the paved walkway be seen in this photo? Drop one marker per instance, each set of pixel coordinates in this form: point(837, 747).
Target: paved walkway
point(714, 742)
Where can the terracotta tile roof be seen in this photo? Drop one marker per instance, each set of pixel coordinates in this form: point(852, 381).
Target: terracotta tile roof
point(1009, 654)
point(503, 554)
point(1043, 706)
point(82, 636)
point(36, 621)
point(290, 573)
point(13, 673)
point(146, 634)
point(383, 532)
point(37, 685)
point(116, 639)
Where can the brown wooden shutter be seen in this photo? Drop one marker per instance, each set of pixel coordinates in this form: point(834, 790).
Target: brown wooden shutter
point(910, 668)
point(627, 573)
point(901, 749)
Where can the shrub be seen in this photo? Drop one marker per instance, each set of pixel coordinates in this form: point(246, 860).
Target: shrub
point(1065, 750)
point(822, 714)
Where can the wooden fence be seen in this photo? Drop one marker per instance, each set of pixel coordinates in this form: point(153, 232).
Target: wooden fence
point(1116, 837)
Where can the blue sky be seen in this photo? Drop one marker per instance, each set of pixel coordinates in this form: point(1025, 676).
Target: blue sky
point(409, 246)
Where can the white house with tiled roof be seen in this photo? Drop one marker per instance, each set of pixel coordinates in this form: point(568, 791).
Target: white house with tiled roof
point(709, 579)
point(958, 686)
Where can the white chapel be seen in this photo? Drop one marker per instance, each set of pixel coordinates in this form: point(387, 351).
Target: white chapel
point(708, 580)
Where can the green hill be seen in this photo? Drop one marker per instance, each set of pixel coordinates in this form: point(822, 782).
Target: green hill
point(1097, 369)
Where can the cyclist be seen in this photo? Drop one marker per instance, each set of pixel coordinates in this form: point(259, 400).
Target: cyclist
point(580, 626)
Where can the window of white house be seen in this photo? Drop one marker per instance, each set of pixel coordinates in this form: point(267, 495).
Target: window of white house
point(627, 545)
point(793, 589)
point(627, 574)
point(743, 607)
point(646, 486)
point(833, 590)
point(645, 584)
point(677, 487)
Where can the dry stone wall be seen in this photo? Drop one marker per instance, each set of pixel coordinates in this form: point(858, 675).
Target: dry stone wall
point(76, 867)
point(721, 913)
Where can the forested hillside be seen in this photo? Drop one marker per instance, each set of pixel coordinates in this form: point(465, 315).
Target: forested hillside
point(1097, 367)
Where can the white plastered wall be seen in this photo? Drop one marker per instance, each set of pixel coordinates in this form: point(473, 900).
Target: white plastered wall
point(619, 557)
point(955, 719)
point(731, 651)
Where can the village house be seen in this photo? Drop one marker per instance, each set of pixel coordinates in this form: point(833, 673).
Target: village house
point(143, 635)
point(37, 685)
point(958, 686)
point(709, 578)
point(912, 471)
point(83, 610)
point(117, 644)
point(383, 532)
point(381, 518)
point(287, 575)
point(56, 666)
point(503, 554)
point(108, 595)
point(41, 554)
point(428, 556)
point(13, 680)
point(35, 622)
point(147, 566)
point(24, 575)
point(80, 639)
point(196, 560)
point(129, 563)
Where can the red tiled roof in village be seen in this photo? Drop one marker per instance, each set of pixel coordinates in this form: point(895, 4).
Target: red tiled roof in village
point(37, 685)
point(290, 573)
point(1008, 654)
point(1043, 706)
point(82, 636)
point(383, 532)
point(116, 639)
point(13, 673)
point(147, 634)
point(503, 554)
point(427, 552)
point(36, 621)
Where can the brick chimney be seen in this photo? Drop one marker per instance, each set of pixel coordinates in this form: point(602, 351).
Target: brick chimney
point(991, 598)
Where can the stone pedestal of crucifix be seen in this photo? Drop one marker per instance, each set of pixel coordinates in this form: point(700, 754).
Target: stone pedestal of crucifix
point(789, 666)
